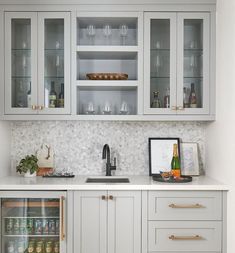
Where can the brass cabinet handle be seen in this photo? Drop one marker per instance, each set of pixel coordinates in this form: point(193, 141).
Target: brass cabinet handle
point(104, 197)
point(185, 238)
point(111, 197)
point(62, 230)
point(40, 107)
point(174, 108)
point(186, 206)
point(34, 107)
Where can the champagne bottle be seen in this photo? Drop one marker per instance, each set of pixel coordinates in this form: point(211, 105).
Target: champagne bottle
point(29, 96)
point(192, 97)
point(156, 101)
point(52, 96)
point(175, 162)
point(61, 97)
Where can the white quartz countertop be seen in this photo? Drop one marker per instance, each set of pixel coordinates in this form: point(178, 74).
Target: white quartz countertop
point(79, 183)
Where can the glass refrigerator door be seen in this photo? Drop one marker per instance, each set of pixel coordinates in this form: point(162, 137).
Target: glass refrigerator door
point(194, 63)
point(20, 61)
point(54, 70)
point(160, 60)
point(32, 225)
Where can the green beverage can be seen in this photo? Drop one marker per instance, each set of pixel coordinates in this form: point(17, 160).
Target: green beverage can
point(16, 226)
point(9, 226)
point(23, 226)
point(30, 226)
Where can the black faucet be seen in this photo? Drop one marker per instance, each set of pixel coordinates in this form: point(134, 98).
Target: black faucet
point(109, 166)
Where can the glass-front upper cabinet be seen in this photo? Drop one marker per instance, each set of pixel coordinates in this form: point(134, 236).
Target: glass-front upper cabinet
point(37, 60)
point(54, 62)
point(193, 63)
point(160, 62)
point(20, 62)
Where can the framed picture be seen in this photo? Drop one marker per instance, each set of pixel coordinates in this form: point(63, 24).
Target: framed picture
point(189, 159)
point(160, 154)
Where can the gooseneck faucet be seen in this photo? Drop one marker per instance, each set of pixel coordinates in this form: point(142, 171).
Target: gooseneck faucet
point(109, 166)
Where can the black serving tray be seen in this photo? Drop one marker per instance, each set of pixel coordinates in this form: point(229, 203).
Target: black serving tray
point(185, 179)
point(59, 176)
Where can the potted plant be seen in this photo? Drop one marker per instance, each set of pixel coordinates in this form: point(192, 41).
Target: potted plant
point(28, 166)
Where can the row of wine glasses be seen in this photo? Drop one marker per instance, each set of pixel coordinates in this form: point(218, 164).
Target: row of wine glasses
point(107, 32)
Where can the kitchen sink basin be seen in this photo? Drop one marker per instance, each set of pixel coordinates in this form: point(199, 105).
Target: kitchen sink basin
point(107, 180)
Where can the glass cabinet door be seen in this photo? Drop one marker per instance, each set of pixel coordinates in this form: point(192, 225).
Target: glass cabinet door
point(160, 62)
point(54, 63)
point(32, 224)
point(193, 63)
point(20, 63)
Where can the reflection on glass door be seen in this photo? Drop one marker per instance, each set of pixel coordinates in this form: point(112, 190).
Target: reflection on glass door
point(160, 58)
point(31, 225)
point(54, 46)
point(194, 83)
point(20, 58)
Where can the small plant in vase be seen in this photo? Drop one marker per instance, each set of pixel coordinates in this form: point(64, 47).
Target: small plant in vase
point(28, 166)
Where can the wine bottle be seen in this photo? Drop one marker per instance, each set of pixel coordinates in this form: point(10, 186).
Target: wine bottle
point(175, 162)
point(61, 97)
point(192, 97)
point(156, 101)
point(52, 96)
point(29, 96)
point(167, 99)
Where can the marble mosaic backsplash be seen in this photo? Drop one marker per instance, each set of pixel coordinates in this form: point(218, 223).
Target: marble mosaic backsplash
point(78, 145)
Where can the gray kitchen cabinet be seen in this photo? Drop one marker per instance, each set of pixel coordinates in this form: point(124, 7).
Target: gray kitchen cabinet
point(107, 221)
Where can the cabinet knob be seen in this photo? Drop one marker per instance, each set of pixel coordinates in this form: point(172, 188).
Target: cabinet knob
point(103, 197)
point(34, 107)
point(180, 108)
point(111, 197)
point(40, 107)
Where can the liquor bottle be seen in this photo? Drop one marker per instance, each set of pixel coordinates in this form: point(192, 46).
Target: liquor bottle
point(52, 96)
point(167, 99)
point(61, 97)
point(192, 97)
point(185, 98)
point(156, 101)
point(29, 96)
point(175, 162)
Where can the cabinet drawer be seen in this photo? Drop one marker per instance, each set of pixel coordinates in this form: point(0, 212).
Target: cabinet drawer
point(190, 205)
point(184, 236)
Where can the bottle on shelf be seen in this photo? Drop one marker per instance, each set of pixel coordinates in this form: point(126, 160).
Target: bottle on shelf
point(29, 96)
point(61, 97)
point(192, 97)
point(156, 101)
point(185, 98)
point(175, 162)
point(52, 96)
point(167, 99)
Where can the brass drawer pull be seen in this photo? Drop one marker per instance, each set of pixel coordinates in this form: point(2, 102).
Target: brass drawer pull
point(186, 206)
point(62, 231)
point(111, 197)
point(194, 237)
point(103, 197)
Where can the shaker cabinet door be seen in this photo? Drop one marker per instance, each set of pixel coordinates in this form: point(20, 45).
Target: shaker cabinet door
point(20, 62)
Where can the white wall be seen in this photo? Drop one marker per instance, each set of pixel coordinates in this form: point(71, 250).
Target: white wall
point(5, 140)
point(220, 150)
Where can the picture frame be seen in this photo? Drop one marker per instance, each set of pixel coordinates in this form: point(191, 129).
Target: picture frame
point(160, 154)
point(189, 159)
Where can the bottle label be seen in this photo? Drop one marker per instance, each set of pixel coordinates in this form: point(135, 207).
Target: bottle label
point(52, 101)
point(61, 102)
point(176, 172)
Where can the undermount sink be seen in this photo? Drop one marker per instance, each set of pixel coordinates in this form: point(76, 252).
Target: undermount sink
point(107, 180)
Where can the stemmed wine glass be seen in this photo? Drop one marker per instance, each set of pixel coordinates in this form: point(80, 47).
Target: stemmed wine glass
point(107, 30)
point(91, 33)
point(123, 33)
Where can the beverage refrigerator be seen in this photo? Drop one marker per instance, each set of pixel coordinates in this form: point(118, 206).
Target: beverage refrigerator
point(33, 222)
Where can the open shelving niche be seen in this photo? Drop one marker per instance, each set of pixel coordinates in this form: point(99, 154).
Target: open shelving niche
point(102, 54)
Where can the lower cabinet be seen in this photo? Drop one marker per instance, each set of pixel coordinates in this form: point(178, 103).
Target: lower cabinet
point(107, 221)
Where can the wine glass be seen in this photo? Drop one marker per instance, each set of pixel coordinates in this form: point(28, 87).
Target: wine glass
point(123, 33)
point(90, 108)
point(107, 30)
point(107, 108)
point(158, 64)
point(124, 108)
point(91, 33)
point(57, 44)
